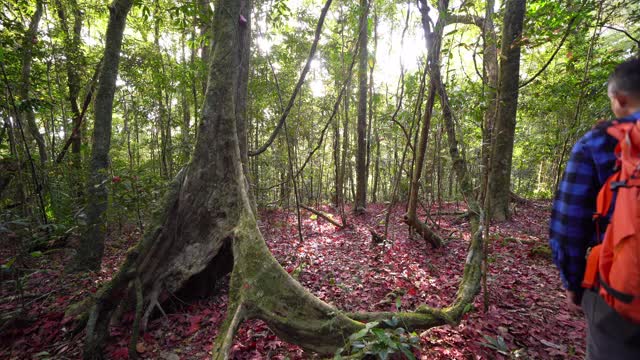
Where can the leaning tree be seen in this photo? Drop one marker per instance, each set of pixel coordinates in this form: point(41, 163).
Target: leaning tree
point(207, 227)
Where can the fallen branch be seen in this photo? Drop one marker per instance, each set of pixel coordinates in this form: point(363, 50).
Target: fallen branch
point(519, 199)
point(430, 236)
point(453, 212)
point(323, 215)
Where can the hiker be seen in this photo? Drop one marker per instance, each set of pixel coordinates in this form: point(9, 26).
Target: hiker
point(583, 216)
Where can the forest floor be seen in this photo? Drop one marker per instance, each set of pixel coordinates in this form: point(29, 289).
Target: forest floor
point(526, 304)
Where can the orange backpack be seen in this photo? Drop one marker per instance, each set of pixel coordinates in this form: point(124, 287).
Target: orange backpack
point(614, 265)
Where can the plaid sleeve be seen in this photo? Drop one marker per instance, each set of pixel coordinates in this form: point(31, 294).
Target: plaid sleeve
point(571, 227)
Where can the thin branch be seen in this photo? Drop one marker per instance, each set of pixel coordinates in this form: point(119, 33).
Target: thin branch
point(394, 117)
point(303, 75)
point(36, 182)
point(334, 111)
point(85, 106)
point(564, 38)
point(624, 32)
point(466, 19)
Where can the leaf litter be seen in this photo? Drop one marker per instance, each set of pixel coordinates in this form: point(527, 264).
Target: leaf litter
point(526, 316)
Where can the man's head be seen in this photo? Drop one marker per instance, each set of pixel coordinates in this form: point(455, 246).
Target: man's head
point(624, 88)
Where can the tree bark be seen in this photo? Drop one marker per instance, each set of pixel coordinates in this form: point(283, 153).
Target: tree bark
point(500, 169)
point(91, 249)
point(361, 154)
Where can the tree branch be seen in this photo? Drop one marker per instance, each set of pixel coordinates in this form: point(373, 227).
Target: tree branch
point(624, 32)
point(564, 38)
point(303, 75)
point(466, 19)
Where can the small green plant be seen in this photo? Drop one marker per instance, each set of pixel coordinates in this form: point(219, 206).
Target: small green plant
point(541, 251)
point(380, 342)
point(496, 343)
point(298, 269)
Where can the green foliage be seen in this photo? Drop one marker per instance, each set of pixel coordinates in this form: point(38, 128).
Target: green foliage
point(26, 242)
point(380, 340)
point(160, 92)
point(541, 251)
point(133, 197)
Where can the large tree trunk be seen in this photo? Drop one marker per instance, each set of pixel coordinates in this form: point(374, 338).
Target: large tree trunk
point(28, 114)
point(361, 154)
point(505, 126)
point(91, 249)
point(208, 227)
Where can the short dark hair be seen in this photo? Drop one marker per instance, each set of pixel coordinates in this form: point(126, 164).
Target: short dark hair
point(626, 78)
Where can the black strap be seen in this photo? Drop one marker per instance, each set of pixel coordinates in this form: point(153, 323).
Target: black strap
point(625, 298)
point(617, 184)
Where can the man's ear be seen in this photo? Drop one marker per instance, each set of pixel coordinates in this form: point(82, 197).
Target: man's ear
point(621, 99)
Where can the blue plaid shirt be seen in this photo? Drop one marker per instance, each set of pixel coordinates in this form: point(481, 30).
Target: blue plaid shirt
point(572, 230)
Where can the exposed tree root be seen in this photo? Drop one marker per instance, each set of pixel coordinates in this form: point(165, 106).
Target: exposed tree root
point(135, 331)
point(323, 215)
point(224, 340)
point(270, 294)
point(153, 303)
point(426, 317)
point(456, 213)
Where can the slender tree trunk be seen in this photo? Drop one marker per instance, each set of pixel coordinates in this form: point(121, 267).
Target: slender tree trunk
point(361, 154)
point(376, 174)
point(344, 154)
point(371, 124)
point(337, 200)
point(241, 103)
point(500, 170)
point(30, 39)
point(89, 255)
point(185, 126)
point(490, 73)
point(435, 37)
point(168, 142)
point(74, 64)
point(162, 103)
